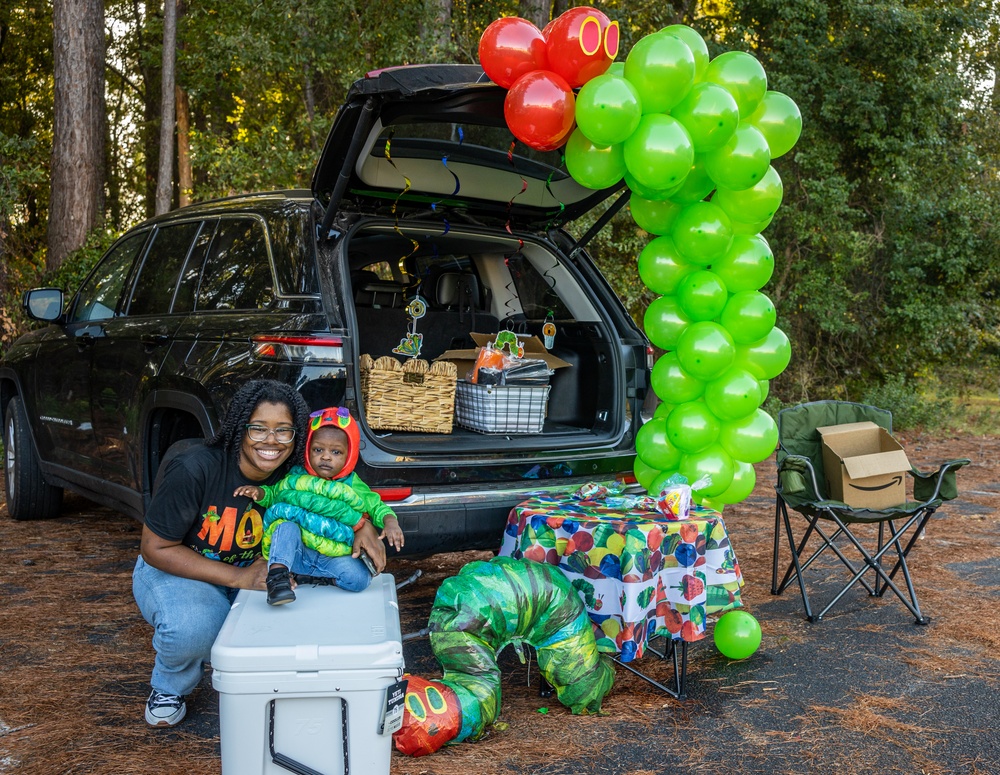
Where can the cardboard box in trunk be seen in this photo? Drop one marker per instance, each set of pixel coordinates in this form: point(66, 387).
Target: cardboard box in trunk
point(464, 360)
point(865, 466)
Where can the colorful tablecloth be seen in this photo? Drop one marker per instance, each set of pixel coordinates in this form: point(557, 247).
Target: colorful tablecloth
point(638, 573)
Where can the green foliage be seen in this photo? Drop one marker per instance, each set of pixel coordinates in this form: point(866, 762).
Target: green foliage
point(77, 265)
point(911, 407)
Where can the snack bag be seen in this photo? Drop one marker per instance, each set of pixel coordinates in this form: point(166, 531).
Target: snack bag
point(674, 500)
point(488, 358)
point(591, 491)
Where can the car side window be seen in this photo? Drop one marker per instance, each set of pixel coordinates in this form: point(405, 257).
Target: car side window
point(237, 273)
point(99, 295)
point(161, 268)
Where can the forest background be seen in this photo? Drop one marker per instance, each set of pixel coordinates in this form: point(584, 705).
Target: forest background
point(887, 248)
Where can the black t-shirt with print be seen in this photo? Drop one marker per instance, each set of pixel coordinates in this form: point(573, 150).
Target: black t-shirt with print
point(194, 504)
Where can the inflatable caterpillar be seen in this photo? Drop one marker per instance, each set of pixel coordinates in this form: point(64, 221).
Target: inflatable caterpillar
point(486, 607)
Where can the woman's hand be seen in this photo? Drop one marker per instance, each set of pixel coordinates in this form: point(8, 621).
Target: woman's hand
point(175, 558)
point(367, 538)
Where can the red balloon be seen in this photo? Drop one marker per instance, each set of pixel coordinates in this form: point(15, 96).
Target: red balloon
point(511, 47)
point(582, 43)
point(539, 109)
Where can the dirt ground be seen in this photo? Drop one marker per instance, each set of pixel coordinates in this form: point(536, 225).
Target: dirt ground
point(864, 690)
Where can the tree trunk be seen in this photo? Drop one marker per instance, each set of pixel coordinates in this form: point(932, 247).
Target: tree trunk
point(535, 11)
point(185, 179)
point(165, 177)
point(77, 199)
point(440, 32)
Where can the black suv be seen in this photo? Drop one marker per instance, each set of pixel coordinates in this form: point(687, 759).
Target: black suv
point(420, 192)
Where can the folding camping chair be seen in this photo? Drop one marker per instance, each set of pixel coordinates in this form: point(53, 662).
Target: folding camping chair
point(801, 487)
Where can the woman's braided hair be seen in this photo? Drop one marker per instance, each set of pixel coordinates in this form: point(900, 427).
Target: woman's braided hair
point(267, 391)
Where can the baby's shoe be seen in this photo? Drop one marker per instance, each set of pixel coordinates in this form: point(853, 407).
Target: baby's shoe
point(279, 587)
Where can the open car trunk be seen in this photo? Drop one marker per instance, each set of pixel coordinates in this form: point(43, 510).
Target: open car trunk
point(489, 282)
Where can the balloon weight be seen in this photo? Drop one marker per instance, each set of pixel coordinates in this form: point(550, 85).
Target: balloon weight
point(710, 115)
point(736, 634)
point(742, 162)
point(695, 42)
point(779, 120)
point(714, 462)
point(702, 295)
point(742, 76)
point(702, 233)
point(511, 47)
point(659, 152)
point(654, 446)
point(539, 110)
point(705, 350)
point(750, 439)
point(758, 203)
point(748, 316)
point(672, 384)
point(661, 267)
point(593, 166)
point(664, 321)
point(733, 395)
point(661, 67)
point(582, 43)
point(747, 265)
point(608, 109)
point(691, 427)
point(655, 216)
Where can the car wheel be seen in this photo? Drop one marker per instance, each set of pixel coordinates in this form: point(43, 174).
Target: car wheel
point(29, 496)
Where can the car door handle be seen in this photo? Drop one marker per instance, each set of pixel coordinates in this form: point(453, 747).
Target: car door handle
point(150, 341)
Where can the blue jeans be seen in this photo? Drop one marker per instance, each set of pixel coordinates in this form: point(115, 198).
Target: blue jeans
point(287, 549)
point(186, 616)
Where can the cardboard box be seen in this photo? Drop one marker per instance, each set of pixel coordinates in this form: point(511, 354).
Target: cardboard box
point(310, 686)
point(864, 465)
point(464, 360)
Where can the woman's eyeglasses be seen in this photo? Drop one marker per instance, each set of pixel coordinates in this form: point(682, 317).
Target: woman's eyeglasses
point(262, 433)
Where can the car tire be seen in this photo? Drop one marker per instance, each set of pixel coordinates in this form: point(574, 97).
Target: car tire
point(29, 496)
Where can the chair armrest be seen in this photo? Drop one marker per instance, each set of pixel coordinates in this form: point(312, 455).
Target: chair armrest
point(937, 484)
point(795, 473)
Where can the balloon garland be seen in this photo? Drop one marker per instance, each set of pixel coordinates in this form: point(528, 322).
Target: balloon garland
point(693, 138)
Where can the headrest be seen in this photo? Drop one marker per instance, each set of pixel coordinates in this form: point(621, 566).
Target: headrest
point(457, 289)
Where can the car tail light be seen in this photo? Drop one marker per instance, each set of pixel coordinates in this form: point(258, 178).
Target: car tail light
point(297, 348)
point(393, 493)
point(628, 478)
point(649, 356)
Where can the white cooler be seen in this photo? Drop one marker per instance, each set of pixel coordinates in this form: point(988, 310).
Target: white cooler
point(305, 687)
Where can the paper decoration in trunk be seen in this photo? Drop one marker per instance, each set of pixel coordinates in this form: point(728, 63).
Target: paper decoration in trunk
point(693, 138)
point(476, 614)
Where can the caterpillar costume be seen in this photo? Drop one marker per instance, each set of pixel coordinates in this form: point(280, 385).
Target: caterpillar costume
point(486, 607)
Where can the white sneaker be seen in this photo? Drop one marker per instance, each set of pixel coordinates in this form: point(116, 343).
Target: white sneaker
point(164, 710)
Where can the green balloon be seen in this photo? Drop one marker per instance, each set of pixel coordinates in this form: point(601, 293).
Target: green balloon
point(661, 67)
point(671, 383)
point(608, 109)
point(616, 68)
point(766, 358)
point(714, 462)
point(655, 216)
point(702, 295)
point(593, 166)
point(695, 42)
point(736, 635)
point(735, 394)
point(758, 203)
point(748, 316)
point(747, 265)
point(749, 229)
point(696, 186)
point(663, 410)
point(744, 480)
point(653, 445)
point(742, 76)
point(742, 162)
point(661, 267)
point(691, 427)
point(702, 233)
point(710, 115)
point(659, 153)
point(644, 474)
point(659, 483)
point(664, 321)
point(765, 388)
point(705, 350)
point(779, 120)
point(751, 439)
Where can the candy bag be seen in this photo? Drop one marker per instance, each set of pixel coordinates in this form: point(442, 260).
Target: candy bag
point(674, 500)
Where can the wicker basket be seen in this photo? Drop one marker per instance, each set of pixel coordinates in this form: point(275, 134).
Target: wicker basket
point(408, 397)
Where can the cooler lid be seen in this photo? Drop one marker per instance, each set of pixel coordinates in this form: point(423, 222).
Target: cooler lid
point(324, 629)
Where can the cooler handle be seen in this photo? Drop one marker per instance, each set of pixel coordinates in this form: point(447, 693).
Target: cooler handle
point(289, 763)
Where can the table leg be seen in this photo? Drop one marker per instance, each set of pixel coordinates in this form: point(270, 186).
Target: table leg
point(679, 690)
